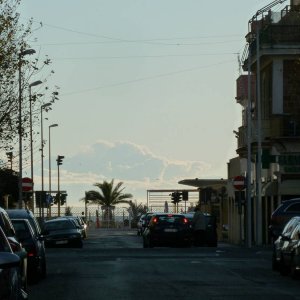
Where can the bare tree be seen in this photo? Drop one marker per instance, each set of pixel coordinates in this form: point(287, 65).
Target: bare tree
point(16, 69)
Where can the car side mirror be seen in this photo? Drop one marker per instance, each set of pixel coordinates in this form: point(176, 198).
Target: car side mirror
point(40, 237)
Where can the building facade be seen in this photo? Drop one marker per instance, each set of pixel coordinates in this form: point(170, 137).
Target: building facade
point(269, 91)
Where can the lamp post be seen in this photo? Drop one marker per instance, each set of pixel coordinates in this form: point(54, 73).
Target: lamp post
point(51, 126)
point(42, 149)
point(21, 54)
point(35, 83)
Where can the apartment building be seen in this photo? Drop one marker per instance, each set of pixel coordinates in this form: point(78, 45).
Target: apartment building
point(269, 93)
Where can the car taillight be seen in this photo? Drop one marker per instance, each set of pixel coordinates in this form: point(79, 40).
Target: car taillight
point(185, 220)
point(31, 252)
point(155, 220)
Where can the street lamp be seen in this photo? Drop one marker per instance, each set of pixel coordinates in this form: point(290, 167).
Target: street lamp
point(51, 126)
point(42, 141)
point(21, 54)
point(35, 83)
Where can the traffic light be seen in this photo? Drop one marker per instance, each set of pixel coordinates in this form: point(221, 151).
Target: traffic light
point(176, 197)
point(56, 198)
point(40, 198)
point(60, 160)
point(63, 198)
point(185, 195)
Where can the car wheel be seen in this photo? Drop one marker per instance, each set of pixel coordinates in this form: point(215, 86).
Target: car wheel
point(145, 245)
point(275, 263)
point(151, 244)
point(212, 244)
point(79, 244)
point(282, 268)
point(293, 270)
point(44, 268)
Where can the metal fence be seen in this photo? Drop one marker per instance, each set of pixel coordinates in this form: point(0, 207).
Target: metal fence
point(94, 215)
point(97, 217)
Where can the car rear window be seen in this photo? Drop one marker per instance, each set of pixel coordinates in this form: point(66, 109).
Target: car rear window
point(167, 219)
point(19, 225)
point(59, 225)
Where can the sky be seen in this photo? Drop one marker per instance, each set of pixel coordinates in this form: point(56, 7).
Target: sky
point(147, 90)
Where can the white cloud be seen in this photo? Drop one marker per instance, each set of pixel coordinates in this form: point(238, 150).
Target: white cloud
point(133, 164)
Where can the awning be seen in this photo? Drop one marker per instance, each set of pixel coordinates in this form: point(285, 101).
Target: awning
point(204, 183)
point(289, 187)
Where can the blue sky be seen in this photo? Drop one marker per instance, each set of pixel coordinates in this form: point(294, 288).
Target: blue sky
point(147, 89)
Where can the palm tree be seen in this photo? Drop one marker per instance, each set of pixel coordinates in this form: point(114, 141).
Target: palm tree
point(108, 196)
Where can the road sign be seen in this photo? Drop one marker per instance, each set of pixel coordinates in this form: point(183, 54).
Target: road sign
point(239, 182)
point(27, 184)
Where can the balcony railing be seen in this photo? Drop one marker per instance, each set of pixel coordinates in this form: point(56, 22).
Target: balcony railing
point(276, 28)
point(277, 127)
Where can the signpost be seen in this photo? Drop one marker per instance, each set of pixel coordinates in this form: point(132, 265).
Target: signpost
point(239, 183)
point(27, 184)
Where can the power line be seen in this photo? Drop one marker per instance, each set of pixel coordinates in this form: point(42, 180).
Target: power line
point(144, 56)
point(116, 39)
point(145, 78)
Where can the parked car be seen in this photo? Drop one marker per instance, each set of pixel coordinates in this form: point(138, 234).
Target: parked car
point(16, 246)
point(140, 224)
point(25, 214)
point(80, 223)
point(211, 236)
point(167, 229)
point(28, 215)
point(290, 256)
point(10, 272)
point(282, 214)
point(62, 232)
point(34, 247)
point(145, 221)
point(84, 225)
point(283, 238)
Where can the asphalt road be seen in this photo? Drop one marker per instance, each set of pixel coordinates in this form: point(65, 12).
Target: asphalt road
point(113, 265)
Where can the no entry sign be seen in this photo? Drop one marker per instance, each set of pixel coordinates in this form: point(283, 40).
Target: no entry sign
point(27, 184)
point(239, 182)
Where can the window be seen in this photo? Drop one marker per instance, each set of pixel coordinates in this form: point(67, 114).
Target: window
point(295, 207)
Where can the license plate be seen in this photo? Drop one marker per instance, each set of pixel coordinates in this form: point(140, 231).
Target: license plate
point(61, 242)
point(170, 230)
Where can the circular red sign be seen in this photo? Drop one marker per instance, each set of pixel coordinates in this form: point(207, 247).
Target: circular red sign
point(27, 184)
point(239, 182)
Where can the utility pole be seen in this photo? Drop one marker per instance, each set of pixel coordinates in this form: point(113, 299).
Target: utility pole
point(259, 145)
point(248, 177)
point(59, 162)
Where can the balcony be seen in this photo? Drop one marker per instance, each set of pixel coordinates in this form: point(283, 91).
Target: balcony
point(279, 33)
point(242, 89)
